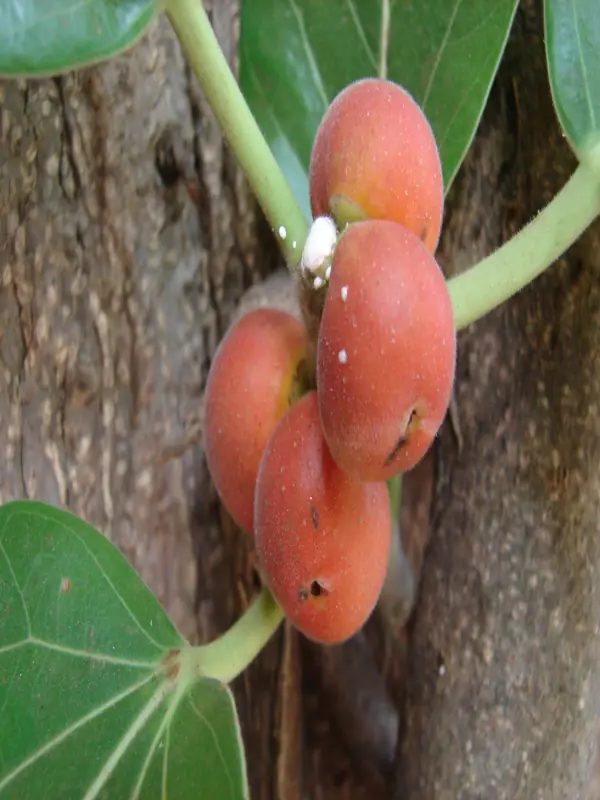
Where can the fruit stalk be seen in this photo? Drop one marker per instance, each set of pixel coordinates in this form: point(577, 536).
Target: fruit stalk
point(209, 65)
point(498, 277)
point(227, 657)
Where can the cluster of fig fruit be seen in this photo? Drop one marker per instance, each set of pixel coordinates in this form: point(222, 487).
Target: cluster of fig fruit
point(302, 463)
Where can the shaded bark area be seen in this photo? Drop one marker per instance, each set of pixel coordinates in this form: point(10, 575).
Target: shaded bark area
point(503, 688)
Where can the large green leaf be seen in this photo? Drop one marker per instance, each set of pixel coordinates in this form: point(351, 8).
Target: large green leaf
point(92, 704)
point(296, 55)
point(573, 53)
point(43, 37)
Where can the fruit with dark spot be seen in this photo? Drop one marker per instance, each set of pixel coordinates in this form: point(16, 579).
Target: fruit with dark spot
point(326, 577)
point(375, 157)
point(386, 351)
point(255, 376)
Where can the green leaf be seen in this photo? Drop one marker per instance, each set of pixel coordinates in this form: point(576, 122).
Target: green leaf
point(93, 703)
point(296, 55)
point(44, 37)
point(573, 53)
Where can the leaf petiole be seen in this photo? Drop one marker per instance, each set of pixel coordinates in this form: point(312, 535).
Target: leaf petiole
point(228, 656)
point(498, 277)
point(209, 65)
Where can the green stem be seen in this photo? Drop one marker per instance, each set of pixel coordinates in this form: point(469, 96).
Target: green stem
point(210, 67)
point(227, 657)
point(488, 284)
point(395, 490)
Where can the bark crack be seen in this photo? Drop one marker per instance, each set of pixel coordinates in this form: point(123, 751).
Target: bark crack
point(68, 170)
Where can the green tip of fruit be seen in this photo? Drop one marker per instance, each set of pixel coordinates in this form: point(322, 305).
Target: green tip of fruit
point(345, 211)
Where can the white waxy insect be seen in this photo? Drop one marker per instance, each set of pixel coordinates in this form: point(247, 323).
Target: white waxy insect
point(343, 357)
point(319, 245)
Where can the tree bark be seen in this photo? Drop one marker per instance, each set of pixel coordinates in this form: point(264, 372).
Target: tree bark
point(503, 687)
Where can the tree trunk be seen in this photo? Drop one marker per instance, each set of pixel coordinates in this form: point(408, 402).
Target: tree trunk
point(503, 687)
point(127, 239)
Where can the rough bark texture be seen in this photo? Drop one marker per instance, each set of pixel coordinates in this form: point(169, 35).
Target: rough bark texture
point(504, 680)
point(115, 288)
point(127, 238)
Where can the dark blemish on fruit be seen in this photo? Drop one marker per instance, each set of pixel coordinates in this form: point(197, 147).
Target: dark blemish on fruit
point(397, 447)
point(424, 232)
point(314, 515)
point(317, 590)
point(401, 441)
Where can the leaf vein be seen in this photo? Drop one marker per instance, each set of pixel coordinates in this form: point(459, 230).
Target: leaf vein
point(361, 33)
point(215, 739)
point(270, 112)
point(137, 622)
point(70, 651)
point(443, 138)
point(80, 723)
point(478, 30)
point(440, 52)
point(312, 61)
point(72, 532)
point(269, 106)
point(168, 718)
point(584, 73)
point(136, 726)
point(7, 687)
point(19, 590)
point(13, 646)
point(165, 764)
point(102, 657)
point(56, 14)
